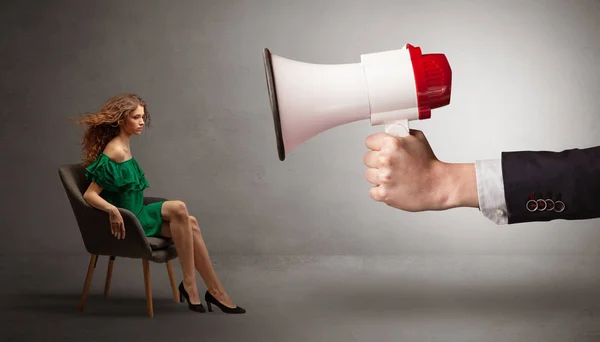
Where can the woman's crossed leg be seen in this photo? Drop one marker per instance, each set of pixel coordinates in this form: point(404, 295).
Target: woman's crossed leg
point(191, 249)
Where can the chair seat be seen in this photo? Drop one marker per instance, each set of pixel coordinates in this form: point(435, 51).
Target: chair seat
point(159, 242)
point(163, 249)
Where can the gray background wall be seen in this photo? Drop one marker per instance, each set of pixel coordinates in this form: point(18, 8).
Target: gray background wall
point(526, 76)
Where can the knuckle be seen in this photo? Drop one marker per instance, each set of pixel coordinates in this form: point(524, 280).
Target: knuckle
point(392, 142)
point(384, 160)
point(385, 176)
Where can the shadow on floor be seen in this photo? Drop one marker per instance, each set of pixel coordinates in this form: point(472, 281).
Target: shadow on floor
point(398, 296)
point(96, 305)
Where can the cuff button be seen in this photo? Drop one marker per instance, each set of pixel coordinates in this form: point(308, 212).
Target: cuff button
point(541, 205)
point(531, 205)
point(549, 205)
point(559, 206)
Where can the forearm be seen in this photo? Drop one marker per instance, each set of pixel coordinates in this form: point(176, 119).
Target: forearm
point(94, 200)
point(458, 185)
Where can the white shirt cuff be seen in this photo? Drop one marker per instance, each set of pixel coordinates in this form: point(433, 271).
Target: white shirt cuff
point(490, 190)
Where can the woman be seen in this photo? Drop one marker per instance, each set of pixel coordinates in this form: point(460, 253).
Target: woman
point(117, 181)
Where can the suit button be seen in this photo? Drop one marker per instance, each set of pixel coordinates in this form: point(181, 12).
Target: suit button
point(559, 206)
point(549, 204)
point(531, 205)
point(541, 205)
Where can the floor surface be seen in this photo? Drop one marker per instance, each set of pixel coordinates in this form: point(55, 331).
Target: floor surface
point(330, 298)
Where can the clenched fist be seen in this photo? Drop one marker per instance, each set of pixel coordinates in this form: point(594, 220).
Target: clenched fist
point(407, 175)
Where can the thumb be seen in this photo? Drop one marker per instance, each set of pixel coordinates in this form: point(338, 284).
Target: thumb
point(418, 134)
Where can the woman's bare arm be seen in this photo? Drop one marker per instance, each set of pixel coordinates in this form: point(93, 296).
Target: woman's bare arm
point(92, 196)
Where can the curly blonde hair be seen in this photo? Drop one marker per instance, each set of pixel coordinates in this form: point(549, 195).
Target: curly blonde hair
point(103, 125)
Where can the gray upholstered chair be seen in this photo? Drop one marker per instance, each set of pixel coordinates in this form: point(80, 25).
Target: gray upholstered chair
point(98, 240)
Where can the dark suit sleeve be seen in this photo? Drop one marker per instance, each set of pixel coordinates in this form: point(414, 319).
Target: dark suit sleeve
point(570, 176)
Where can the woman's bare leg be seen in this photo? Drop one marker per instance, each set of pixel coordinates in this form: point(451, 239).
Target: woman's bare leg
point(175, 212)
point(205, 268)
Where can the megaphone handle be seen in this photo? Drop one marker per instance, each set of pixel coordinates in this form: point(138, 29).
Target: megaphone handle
point(398, 128)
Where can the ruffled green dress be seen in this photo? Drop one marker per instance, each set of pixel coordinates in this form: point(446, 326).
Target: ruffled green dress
point(123, 186)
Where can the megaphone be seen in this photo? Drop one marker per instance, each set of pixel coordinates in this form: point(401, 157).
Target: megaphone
point(389, 88)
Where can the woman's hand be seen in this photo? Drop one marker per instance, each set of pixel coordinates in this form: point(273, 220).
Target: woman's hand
point(117, 226)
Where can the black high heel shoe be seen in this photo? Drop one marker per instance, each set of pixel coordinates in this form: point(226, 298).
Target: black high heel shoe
point(210, 299)
point(183, 294)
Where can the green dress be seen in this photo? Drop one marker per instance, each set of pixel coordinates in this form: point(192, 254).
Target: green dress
point(123, 186)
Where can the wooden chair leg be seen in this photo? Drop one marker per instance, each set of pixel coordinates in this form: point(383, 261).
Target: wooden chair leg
point(172, 279)
point(146, 265)
point(111, 263)
point(88, 281)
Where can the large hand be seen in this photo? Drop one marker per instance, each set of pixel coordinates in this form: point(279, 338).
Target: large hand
point(406, 173)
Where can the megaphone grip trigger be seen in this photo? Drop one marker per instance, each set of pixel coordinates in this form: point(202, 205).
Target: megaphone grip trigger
point(399, 128)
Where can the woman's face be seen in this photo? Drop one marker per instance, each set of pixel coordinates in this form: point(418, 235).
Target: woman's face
point(134, 122)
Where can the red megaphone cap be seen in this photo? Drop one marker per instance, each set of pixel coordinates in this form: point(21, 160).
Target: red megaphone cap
point(433, 80)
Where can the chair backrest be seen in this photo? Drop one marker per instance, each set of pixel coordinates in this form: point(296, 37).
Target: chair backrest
point(73, 179)
point(75, 184)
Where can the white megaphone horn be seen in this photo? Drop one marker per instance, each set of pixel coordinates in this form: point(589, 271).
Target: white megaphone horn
point(389, 88)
